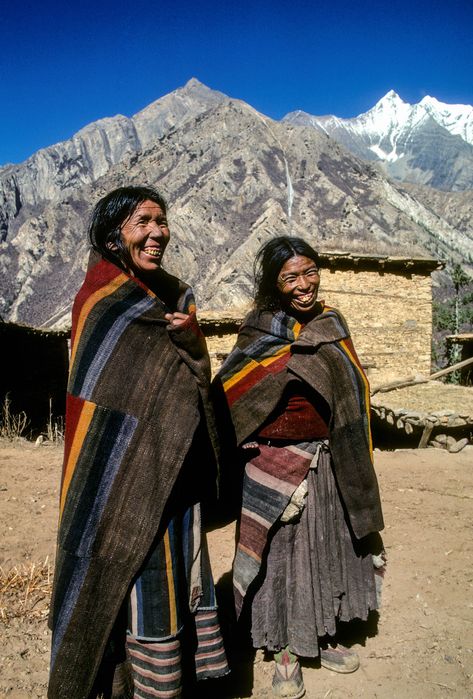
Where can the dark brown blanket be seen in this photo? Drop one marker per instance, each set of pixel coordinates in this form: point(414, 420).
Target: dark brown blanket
point(322, 355)
point(137, 393)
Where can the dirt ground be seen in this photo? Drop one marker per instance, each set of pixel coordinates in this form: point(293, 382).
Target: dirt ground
point(422, 645)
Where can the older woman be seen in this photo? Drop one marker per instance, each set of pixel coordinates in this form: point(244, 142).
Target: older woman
point(299, 404)
point(132, 579)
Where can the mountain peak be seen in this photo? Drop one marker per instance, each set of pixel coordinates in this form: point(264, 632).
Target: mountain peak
point(195, 88)
point(391, 98)
point(429, 101)
point(193, 82)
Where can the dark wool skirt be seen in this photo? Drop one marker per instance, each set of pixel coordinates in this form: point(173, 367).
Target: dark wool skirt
point(316, 573)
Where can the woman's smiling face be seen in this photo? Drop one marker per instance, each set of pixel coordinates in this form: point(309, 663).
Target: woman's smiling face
point(298, 284)
point(145, 235)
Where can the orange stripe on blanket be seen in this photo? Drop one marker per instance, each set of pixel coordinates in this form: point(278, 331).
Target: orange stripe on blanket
point(254, 365)
point(172, 591)
point(83, 425)
point(250, 366)
point(249, 552)
point(110, 288)
point(269, 360)
point(246, 381)
point(252, 373)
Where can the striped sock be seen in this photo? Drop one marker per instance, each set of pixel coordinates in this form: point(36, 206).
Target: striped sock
point(210, 658)
point(156, 668)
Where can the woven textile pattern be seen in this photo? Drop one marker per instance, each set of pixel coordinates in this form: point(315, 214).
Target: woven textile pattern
point(137, 392)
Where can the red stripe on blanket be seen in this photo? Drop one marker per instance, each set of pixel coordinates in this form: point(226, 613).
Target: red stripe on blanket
point(348, 342)
point(73, 412)
point(98, 277)
point(253, 536)
point(282, 463)
point(279, 363)
point(245, 383)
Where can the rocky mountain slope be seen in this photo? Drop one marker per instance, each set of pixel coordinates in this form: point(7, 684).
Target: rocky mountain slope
point(233, 178)
point(54, 172)
point(427, 143)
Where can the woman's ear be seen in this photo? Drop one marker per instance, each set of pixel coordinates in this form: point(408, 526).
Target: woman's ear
point(113, 241)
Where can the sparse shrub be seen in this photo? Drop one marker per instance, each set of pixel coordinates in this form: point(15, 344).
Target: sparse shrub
point(12, 425)
point(54, 428)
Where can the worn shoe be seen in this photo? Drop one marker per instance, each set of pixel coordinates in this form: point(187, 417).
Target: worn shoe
point(339, 659)
point(287, 680)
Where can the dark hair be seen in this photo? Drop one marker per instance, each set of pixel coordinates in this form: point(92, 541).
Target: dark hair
point(269, 260)
point(110, 214)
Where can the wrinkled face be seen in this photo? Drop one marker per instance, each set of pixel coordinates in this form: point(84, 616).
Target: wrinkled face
point(298, 284)
point(145, 235)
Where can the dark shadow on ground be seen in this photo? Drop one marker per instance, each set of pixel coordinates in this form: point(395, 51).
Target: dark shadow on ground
point(349, 634)
point(241, 656)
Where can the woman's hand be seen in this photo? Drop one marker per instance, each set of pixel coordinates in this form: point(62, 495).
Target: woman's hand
point(176, 319)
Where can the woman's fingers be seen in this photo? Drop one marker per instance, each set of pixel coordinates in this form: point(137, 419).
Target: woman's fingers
point(176, 319)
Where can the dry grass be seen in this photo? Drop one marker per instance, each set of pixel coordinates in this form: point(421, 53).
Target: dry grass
point(25, 591)
point(54, 428)
point(12, 425)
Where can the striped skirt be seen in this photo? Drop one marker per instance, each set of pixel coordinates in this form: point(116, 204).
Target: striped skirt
point(173, 628)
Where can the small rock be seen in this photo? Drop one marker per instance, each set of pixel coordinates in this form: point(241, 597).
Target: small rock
point(414, 415)
point(441, 438)
point(457, 422)
point(39, 441)
point(436, 445)
point(458, 446)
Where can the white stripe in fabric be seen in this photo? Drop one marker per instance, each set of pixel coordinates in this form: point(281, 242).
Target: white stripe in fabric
point(253, 515)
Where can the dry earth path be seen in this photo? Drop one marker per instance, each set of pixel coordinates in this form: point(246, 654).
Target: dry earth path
point(421, 647)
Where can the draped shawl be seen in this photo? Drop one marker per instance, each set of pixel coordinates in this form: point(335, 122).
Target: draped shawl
point(270, 347)
point(136, 395)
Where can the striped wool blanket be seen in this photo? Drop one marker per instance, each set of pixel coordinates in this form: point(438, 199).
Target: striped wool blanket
point(271, 348)
point(138, 391)
point(270, 479)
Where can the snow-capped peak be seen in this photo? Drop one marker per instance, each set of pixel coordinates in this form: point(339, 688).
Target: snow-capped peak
point(390, 116)
point(456, 118)
point(428, 142)
point(390, 98)
point(429, 101)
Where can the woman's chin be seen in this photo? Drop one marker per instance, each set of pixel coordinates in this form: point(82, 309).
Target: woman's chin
point(303, 309)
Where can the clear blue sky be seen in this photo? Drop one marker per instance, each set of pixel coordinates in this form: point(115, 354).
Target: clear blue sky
point(64, 65)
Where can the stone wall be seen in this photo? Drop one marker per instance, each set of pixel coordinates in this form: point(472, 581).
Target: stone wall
point(390, 317)
point(389, 313)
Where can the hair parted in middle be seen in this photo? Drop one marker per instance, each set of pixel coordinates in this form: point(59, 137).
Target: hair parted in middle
point(268, 263)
